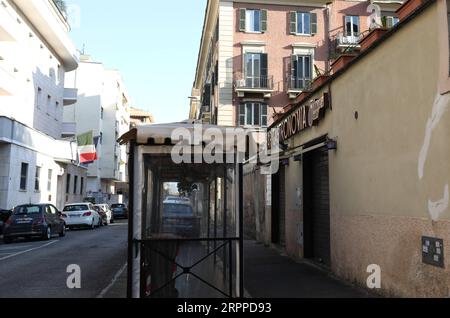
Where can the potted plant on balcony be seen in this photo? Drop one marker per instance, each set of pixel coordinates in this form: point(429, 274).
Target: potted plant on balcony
point(319, 80)
point(341, 61)
point(372, 37)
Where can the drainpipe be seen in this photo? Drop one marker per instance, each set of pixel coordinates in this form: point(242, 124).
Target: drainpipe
point(328, 34)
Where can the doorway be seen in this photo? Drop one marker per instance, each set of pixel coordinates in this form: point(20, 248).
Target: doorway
point(278, 208)
point(316, 210)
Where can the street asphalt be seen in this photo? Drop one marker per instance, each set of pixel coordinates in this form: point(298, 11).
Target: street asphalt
point(38, 269)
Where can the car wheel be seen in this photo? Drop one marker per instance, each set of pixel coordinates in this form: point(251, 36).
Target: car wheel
point(7, 240)
point(47, 234)
point(63, 231)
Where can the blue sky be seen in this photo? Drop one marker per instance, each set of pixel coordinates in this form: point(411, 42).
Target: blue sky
point(153, 43)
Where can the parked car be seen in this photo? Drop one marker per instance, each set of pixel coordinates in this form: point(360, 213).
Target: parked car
point(4, 216)
point(109, 213)
point(101, 213)
point(34, 220)
point(179, 219)
point(81, 215)
point(120, 211)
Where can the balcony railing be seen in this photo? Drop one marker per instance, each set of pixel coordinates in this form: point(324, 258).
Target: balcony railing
point(299, 84)
point(69, 129)
point(255, 82)
point(343, 40)
point(70, 96)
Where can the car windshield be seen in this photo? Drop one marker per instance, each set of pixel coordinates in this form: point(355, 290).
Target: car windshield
point(75, 208)
point(22, 210)
point(117, 206)
point(178, 209)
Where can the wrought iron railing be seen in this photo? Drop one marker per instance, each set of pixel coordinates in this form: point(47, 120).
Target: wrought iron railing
point(255, 82)
point(296, 83)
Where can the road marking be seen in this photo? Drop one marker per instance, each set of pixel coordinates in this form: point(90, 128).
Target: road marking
point(26, 251)
point(116, 277)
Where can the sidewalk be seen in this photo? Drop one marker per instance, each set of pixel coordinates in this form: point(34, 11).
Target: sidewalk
point(270, 275)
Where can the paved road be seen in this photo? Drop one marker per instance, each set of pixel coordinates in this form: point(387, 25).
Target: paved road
point(36, 269)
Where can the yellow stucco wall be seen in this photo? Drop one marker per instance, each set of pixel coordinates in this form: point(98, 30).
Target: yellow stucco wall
point(379, 204)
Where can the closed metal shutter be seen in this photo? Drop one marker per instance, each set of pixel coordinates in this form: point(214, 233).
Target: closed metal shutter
point(321, 206)
point(282, 211)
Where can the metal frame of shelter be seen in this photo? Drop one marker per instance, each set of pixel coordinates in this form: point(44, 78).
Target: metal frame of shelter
point(214, 258)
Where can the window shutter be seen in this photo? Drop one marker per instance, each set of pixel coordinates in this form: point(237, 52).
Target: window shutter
point(313, 23)
point(294, 67)
point(242, 13)
point(263, 21)
point(293, 22)
point(264, 71)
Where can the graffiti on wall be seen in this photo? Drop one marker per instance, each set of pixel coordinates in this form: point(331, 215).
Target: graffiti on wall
point(440, 106)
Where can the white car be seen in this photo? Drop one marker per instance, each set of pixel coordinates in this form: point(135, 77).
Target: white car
point(81, 215)
point(109, 214)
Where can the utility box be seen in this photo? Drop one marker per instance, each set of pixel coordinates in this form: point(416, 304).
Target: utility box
point(433, 251)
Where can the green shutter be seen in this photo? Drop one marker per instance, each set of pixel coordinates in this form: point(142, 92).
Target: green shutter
point(313, 23)
point(263, 20)
point(242, 19)
point(293, 22)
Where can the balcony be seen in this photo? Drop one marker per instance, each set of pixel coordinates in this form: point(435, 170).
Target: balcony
point(7, 82)
point(298, 85)
point(70, 96)
point(255, 85)
point(9, 29)
point(346, 43)
point(51, 24)
point(69, 130)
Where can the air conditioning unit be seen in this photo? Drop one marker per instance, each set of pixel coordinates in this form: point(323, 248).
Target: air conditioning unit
point(240, 83)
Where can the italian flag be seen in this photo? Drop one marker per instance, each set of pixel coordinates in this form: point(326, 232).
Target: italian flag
point(86, 147)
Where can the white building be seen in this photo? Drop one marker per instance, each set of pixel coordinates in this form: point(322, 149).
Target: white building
point(102, 106)
point(35, 54)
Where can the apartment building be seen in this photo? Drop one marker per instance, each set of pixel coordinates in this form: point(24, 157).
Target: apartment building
point(257, 56)
point(103, 106)
point(139, 117)
point(35, 54)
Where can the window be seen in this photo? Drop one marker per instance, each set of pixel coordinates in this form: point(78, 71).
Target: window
point(253, 114)
point(351, 26)
point(301, 71)
point(53, 210)
point(68, 184)
point(303, 23)
point(59, 79)
point(256, 70)
point(49, 102)
point(251, 20)
point(49, 180)
point(39, 98)
point(82, 186)
point(23, 176)
point(389, 21)
point(75, 184)
point(37, 180)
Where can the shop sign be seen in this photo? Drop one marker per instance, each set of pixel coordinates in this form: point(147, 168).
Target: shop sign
point(304, 117)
